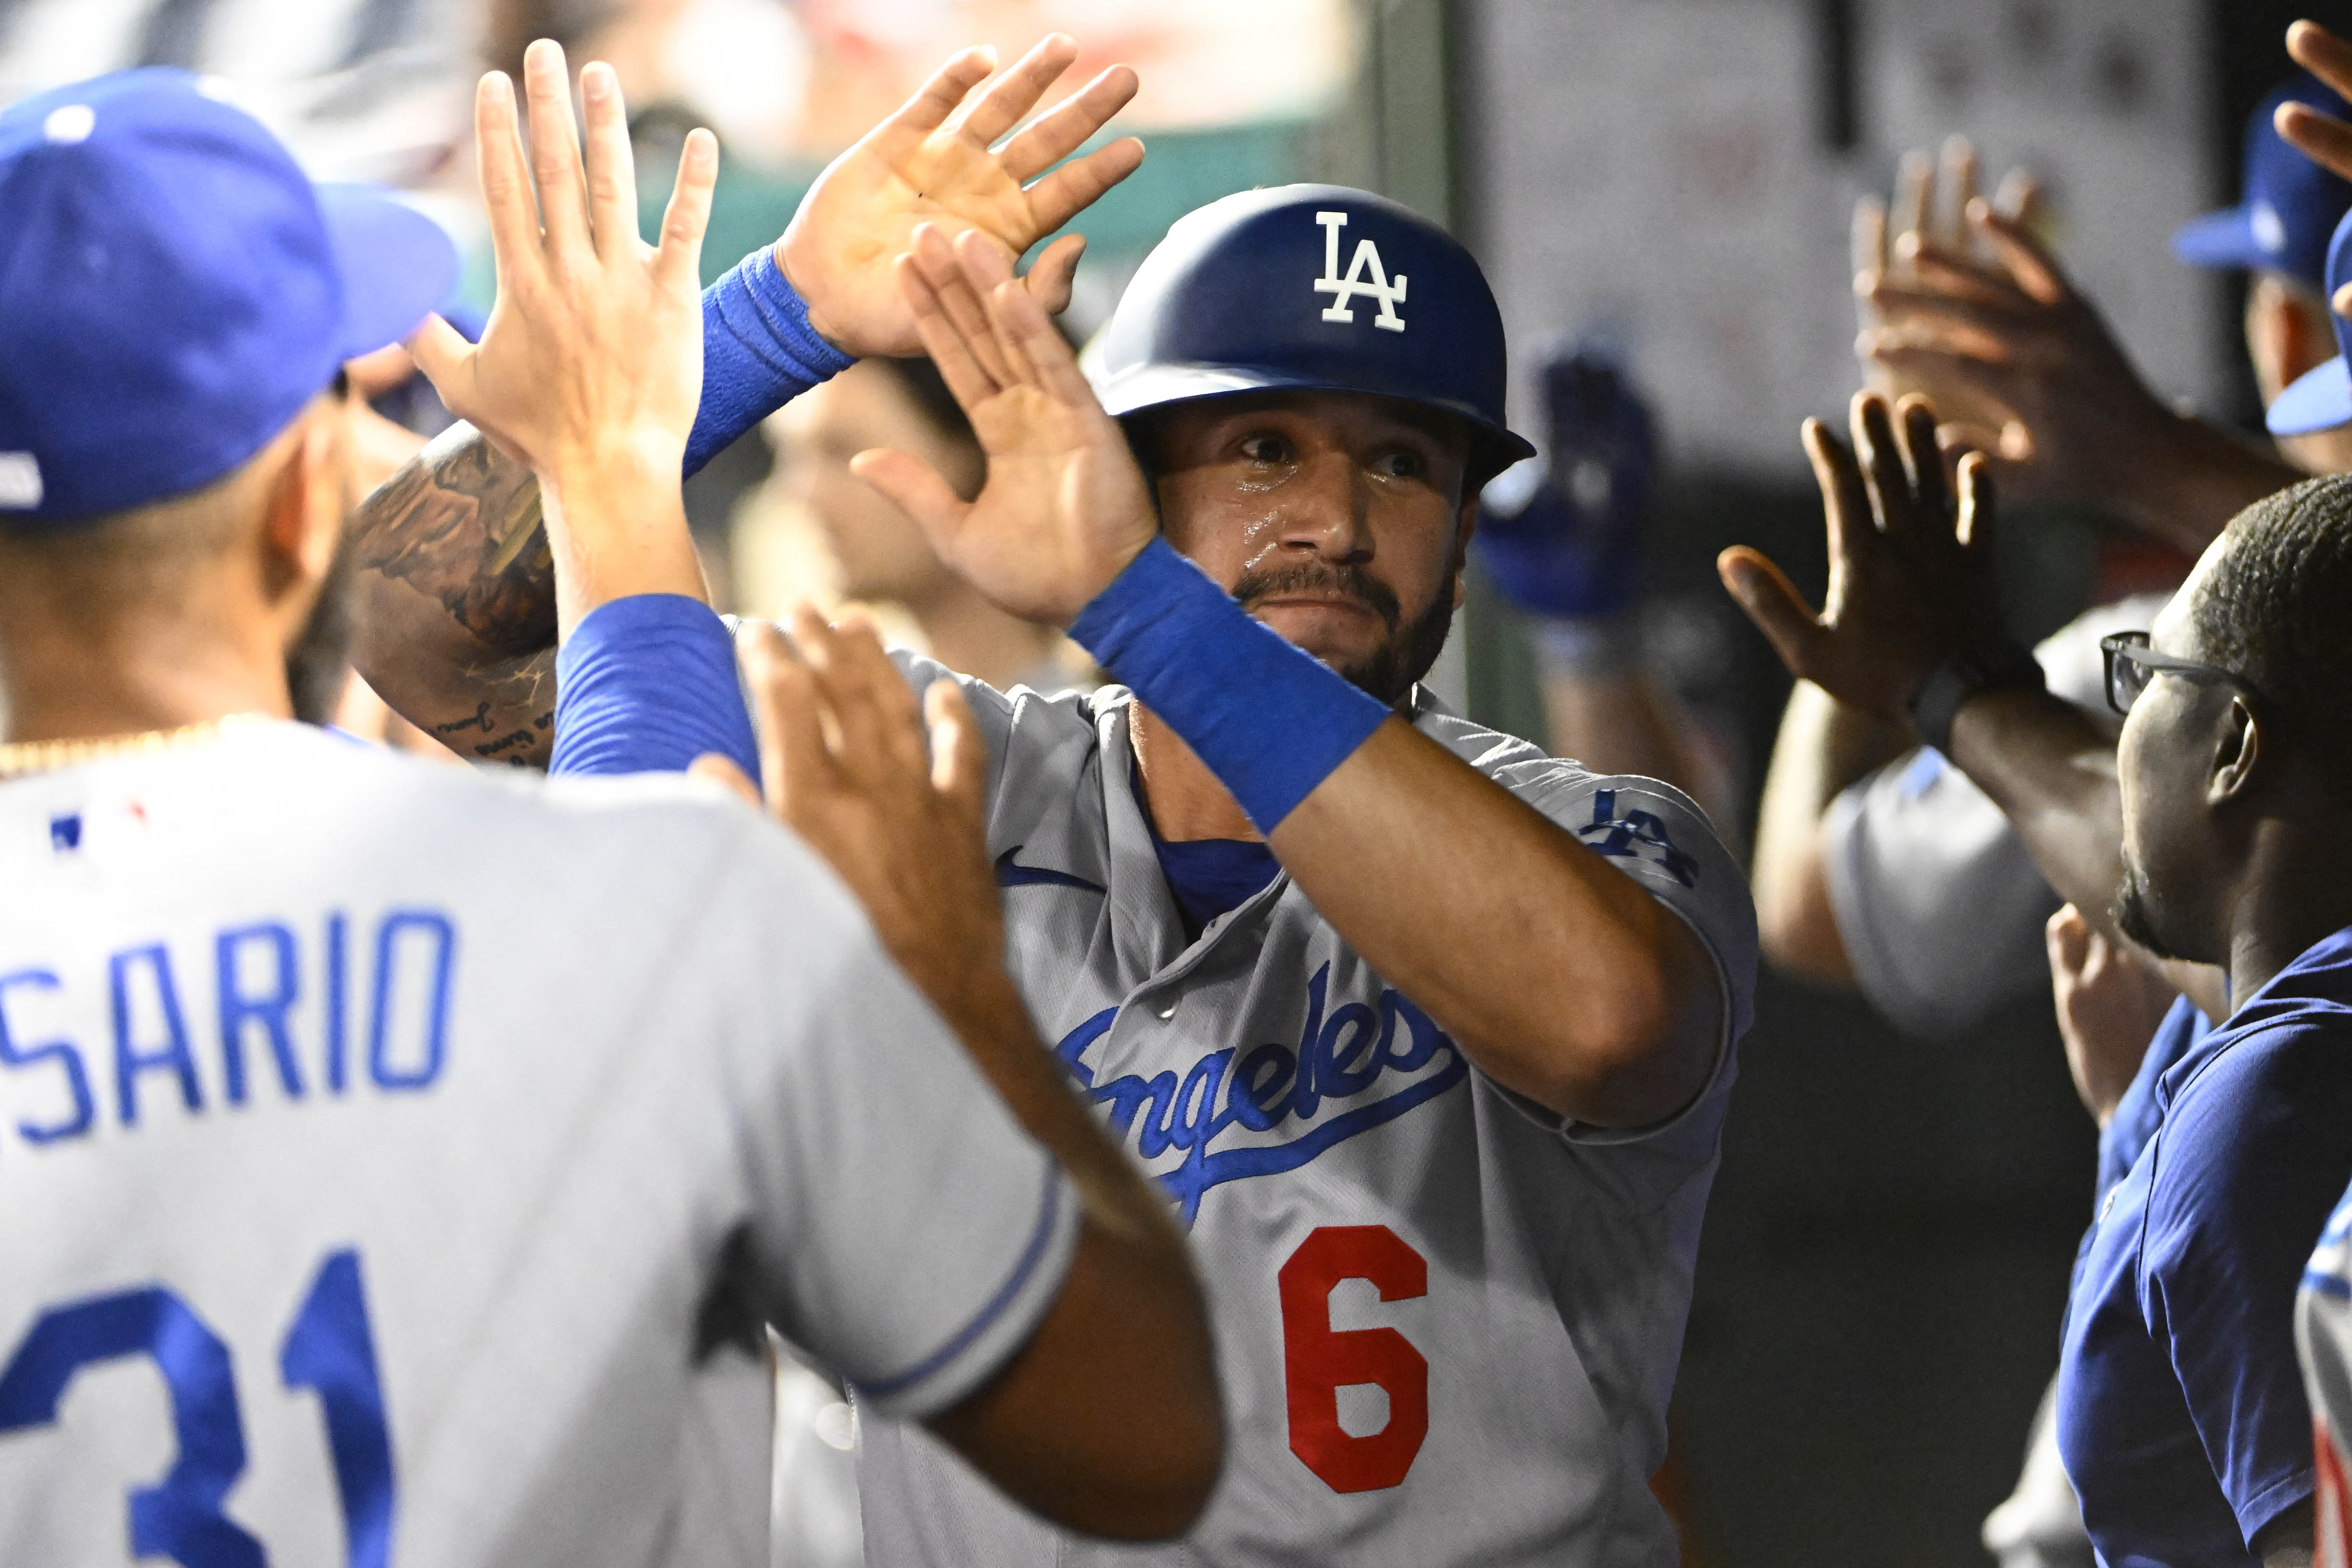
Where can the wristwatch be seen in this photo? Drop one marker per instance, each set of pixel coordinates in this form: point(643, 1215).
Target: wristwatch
point(1997, 663)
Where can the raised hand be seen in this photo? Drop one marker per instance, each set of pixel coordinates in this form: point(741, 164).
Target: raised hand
point(2110, 1000)
point(1064, 507)
point(2318, 136)
point(591, 367)
point(932, 163)
point(1932, 197)
point(842, 747)
point(1964, 305)
point(1910, 571)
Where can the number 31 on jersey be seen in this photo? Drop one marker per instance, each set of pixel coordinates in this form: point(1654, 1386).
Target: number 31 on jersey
point(328, 1348)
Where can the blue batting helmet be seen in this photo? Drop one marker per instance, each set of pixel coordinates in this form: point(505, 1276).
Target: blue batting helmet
point(1311, 288)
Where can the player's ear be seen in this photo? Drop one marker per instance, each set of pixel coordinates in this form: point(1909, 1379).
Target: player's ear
point(308, 501)
point(2238, 753)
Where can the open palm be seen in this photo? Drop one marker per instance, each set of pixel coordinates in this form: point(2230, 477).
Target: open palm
point(1064, 507)
point(933, 162)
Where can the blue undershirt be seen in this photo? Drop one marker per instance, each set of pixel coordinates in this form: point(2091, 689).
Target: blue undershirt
point(1210, 876)
point(2181, 1413)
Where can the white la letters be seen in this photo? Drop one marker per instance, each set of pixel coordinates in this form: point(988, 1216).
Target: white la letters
point(1389, 292)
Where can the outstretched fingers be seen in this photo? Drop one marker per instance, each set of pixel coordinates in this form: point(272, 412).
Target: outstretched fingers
point(1845, 501)
point(1872, 427)
point(1762, 589)
point(1915, 196)
point(1959, 188)
point(678, 262)
point(880, 720)
point(2032, 268)
point(1064, 128)
point(612, 165)
point(2322, 54)
point(788, 713)
point(1051, 277)
point(1978, 506)
point(555, 165)
point(939, 97)
point(1076, 185)
point(1012, 95)
point(2321, 137)
point(1923, 459)
point(952, 320)
point(506, 182)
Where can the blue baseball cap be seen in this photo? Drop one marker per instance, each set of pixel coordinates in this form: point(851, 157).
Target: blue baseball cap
point(2321, 399)
point(173, 292)
point(2288, 205)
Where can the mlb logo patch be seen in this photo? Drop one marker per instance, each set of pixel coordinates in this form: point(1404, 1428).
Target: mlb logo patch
point(98, 829)
point(20, 482)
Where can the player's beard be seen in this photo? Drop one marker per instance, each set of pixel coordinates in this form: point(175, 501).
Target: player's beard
point(1406, 651)
point(317, 665)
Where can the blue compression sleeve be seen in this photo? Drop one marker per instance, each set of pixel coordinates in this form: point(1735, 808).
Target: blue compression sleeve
point(645, 685)
point(1270, 719)
point(758, 353)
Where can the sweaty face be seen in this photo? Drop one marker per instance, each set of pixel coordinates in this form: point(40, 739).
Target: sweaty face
point(2161, 761)
point(1335, 518)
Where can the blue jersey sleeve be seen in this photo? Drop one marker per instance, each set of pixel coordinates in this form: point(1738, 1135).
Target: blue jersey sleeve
point(648, 684)
point(758, 353)
point(2248, 1168)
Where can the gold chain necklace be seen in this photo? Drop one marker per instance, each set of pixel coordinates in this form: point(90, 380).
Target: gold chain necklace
point(21, 758)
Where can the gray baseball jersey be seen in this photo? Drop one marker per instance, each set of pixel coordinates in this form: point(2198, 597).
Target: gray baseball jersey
point(1447, 1322)
point(1938, 904)
point(396, 1165)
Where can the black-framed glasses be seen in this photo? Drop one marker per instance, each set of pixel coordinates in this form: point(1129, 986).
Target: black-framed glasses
point(2132, 664)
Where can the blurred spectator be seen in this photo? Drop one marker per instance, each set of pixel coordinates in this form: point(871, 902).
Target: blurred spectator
point(377, 90)
point(817, 531)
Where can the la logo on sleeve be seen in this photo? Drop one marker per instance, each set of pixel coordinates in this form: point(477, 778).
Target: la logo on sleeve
point(1389, 292)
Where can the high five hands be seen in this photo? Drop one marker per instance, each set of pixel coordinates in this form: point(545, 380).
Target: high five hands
point(590, 370)
point(932, 163)
point(1064, 507)
point(1962, 303)
point(1910, 564)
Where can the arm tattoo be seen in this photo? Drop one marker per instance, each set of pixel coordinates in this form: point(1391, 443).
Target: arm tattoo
point(453, 600)
point(461, 524)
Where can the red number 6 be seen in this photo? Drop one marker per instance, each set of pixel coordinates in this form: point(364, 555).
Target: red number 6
point(1317, 1361)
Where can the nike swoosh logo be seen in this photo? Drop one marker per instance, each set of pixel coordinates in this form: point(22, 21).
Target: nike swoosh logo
point(1010, 875)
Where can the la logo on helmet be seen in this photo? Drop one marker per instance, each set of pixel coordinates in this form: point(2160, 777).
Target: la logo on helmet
point(1389, 292)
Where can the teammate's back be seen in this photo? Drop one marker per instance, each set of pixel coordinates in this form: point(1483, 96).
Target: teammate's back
point(362, 1108)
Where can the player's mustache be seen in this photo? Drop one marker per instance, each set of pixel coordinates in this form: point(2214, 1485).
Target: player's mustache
point(1320, 577)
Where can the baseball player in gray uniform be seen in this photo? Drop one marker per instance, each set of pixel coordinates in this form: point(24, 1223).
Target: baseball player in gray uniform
point(429, 1216)
point(1427, 1036)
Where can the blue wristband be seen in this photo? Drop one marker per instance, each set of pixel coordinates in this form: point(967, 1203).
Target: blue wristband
point(645, 685)
point(1270, 719)
point(758, 353)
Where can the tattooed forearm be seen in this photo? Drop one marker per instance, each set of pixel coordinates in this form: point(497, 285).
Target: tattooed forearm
point(453, 600)
point(461, 524)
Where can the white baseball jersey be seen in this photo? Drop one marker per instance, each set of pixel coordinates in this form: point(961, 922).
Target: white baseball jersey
point(396, 1165)
point(1447, 1323)
point(2323, 1340)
